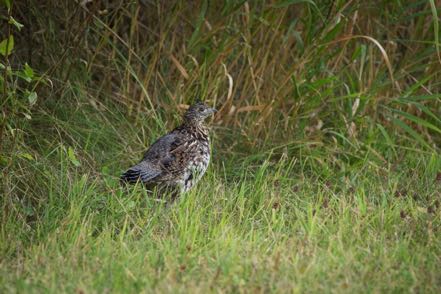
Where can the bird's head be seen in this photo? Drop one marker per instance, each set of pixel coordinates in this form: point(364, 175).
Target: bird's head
point(198, 112)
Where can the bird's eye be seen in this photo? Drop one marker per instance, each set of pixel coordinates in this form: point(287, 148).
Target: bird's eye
point(200, 108)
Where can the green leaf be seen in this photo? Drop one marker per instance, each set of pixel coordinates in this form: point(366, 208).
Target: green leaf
point(7, 45)
point(417, 120)
point(3, 160)
point(434, 9)
point(411, 132)
point(385, 135)
point(18, 25)
point(72, 157)
point(200, 20)
point(8, 4)
point(27, 156)
point(286, 3)
point(32, 98)
point(28, 72)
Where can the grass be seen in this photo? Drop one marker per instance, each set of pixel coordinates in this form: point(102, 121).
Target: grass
point(260, 222)
point(269, 227)
point(326, 169)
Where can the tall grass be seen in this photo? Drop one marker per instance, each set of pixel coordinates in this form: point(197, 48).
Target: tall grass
point(326, 166)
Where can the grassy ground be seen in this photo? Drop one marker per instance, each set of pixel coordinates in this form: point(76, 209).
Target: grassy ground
point(326, 169)
point(257, 222)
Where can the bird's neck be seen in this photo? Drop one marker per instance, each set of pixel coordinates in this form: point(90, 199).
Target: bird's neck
point(199, 128)
point(190, 123)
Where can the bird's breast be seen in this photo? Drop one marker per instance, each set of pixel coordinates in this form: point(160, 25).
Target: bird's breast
point(197, 166)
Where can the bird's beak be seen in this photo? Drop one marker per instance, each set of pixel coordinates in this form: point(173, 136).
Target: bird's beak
point(213, 110)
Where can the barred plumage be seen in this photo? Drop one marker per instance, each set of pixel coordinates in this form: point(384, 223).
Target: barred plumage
point(178, 160)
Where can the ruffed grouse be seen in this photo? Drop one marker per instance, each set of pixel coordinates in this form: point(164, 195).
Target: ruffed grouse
point(178, 160)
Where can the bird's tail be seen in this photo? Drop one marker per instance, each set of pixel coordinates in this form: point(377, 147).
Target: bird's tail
point(141, 172)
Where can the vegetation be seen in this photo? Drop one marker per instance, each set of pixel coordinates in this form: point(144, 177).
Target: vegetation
point(326, 171)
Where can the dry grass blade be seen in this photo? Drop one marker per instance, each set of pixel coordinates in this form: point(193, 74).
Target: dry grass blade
point(250, 108)
point(179, 66)
point(230, 89)
point(379, 46)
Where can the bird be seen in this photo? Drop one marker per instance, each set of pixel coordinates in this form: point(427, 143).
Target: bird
point(175, 162)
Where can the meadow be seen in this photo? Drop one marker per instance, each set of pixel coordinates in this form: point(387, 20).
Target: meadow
point(326, 162)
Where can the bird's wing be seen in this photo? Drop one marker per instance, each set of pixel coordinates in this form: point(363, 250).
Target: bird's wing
point(150, 167)
point(172, 152)
point(164, 145)
point(143, 171)
point(163, 160)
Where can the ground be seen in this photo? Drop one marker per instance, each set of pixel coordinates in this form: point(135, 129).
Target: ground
point(253, 223)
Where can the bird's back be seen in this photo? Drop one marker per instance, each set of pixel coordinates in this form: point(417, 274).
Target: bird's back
point(179, 159)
